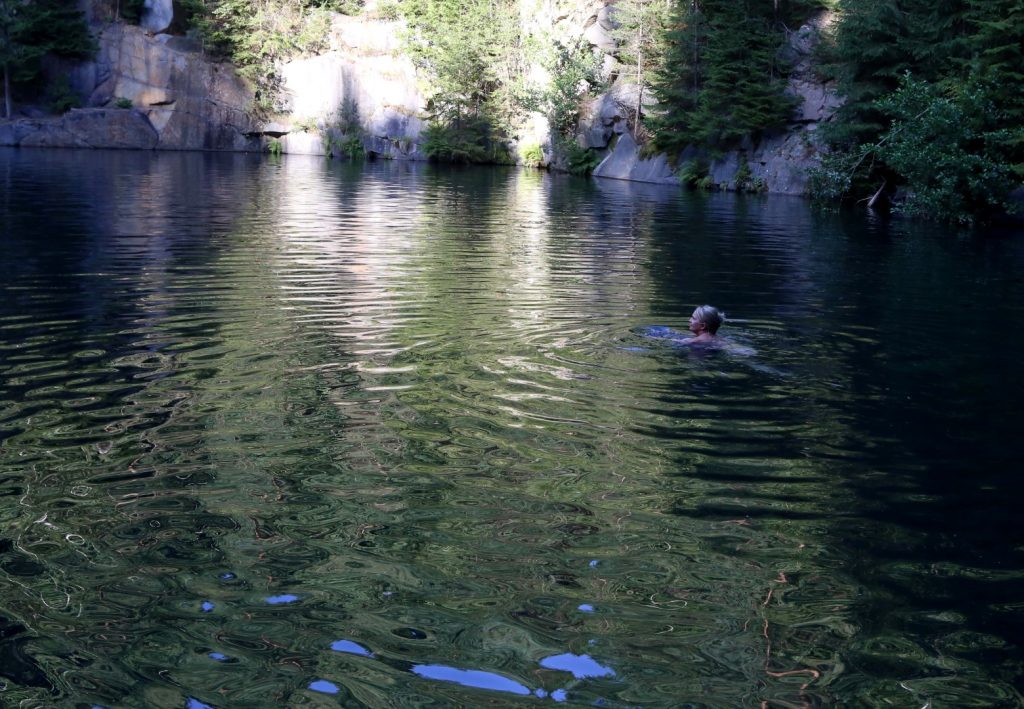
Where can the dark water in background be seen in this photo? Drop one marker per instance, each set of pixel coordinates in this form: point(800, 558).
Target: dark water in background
point(311, 434)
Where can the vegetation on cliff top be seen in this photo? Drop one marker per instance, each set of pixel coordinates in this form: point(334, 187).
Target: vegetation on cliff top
point(932, 116)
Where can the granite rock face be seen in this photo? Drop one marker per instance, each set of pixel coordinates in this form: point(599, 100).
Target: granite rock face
point(362, 87)
point(625, 163)
point(778, 163)
point(157, 15)
point(83, 128)
point(192, 103)
point(186, 101)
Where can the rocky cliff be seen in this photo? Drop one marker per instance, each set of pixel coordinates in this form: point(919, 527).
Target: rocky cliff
point(364, 87)
point(145, 90)
point(776, 162)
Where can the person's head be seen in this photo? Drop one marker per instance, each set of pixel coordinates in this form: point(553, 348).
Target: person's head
point(706, 318)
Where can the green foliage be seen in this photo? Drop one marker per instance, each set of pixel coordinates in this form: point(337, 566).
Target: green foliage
point(532, 155)
point(131, 10)
point(743, 81)
point(257, 37)
point(474, 57)
point(693, 171)
point(62, 97)
point(678, 78)
point(640, 34)
point(953, 136)
point(447, 144)
point(746, 182)
point(351, 146)
point(743, 177)
point(388, 10)
point(580, 160)
point(122, 102)
point(720, 77)
point(275, 147)
point(574, 71)
point(944, 146)
point(31, 29)
point(306, 125)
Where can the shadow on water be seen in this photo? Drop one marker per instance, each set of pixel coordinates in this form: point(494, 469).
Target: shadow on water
point(248, 409)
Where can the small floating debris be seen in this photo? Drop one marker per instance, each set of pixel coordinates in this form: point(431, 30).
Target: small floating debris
point(283, 598)
point(585, 608)
point(581, 666)
point(593, 563)
point(409, 633)
point(324, 687)
point(193, 703)
point(218, 656)
point(477, 679)
point(227, 576)
point(206, 606)
point(352, 648)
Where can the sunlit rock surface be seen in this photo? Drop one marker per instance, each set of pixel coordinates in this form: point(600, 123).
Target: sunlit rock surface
point(363, 87)
point(187, 101)
point(624, 163)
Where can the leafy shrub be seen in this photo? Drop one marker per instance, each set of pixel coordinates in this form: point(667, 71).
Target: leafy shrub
point(574, 72)
point(532, 155)
point(580, 160)
point(388, 10)
point(275, 147)
point(351, 146)
point(942, 146)
point(62, 97)
point(446, 144)
point(306, 125)
point(692, 172)
point(122, 102)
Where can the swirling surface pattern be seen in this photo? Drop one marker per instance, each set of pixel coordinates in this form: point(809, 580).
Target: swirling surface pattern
point(304, 433)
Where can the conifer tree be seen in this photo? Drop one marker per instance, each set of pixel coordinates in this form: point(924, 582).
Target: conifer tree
point(742, 91)
point(30, 29)
point(640, 31)
point(996, 58)
point(678, 78)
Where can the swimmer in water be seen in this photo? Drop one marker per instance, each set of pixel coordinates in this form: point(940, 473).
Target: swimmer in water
point(704, 323)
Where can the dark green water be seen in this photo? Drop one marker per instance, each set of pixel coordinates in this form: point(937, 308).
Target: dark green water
point(312, 434)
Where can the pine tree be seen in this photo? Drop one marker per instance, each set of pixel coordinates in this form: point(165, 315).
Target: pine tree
point(742, 93)
point(641, 28)
point(996, 59)
point(30, 29)
point(678, 78)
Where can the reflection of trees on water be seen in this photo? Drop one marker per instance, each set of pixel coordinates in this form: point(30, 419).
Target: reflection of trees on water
point(845, 447)
point(117, 530)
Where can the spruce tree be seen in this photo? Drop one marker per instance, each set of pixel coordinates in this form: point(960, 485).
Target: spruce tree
point(30, 29)
point(678, 78)
point(742, 93)
point(996, 59)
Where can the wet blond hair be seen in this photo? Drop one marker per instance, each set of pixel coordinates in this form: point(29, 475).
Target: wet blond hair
point(711, 316)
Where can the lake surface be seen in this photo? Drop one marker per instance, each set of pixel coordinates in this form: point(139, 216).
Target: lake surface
point(306, 433)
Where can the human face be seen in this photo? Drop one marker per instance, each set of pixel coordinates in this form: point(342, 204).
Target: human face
point(697, 326)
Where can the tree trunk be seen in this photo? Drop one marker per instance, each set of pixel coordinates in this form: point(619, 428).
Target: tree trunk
point(7, 92)
point(639, 81)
